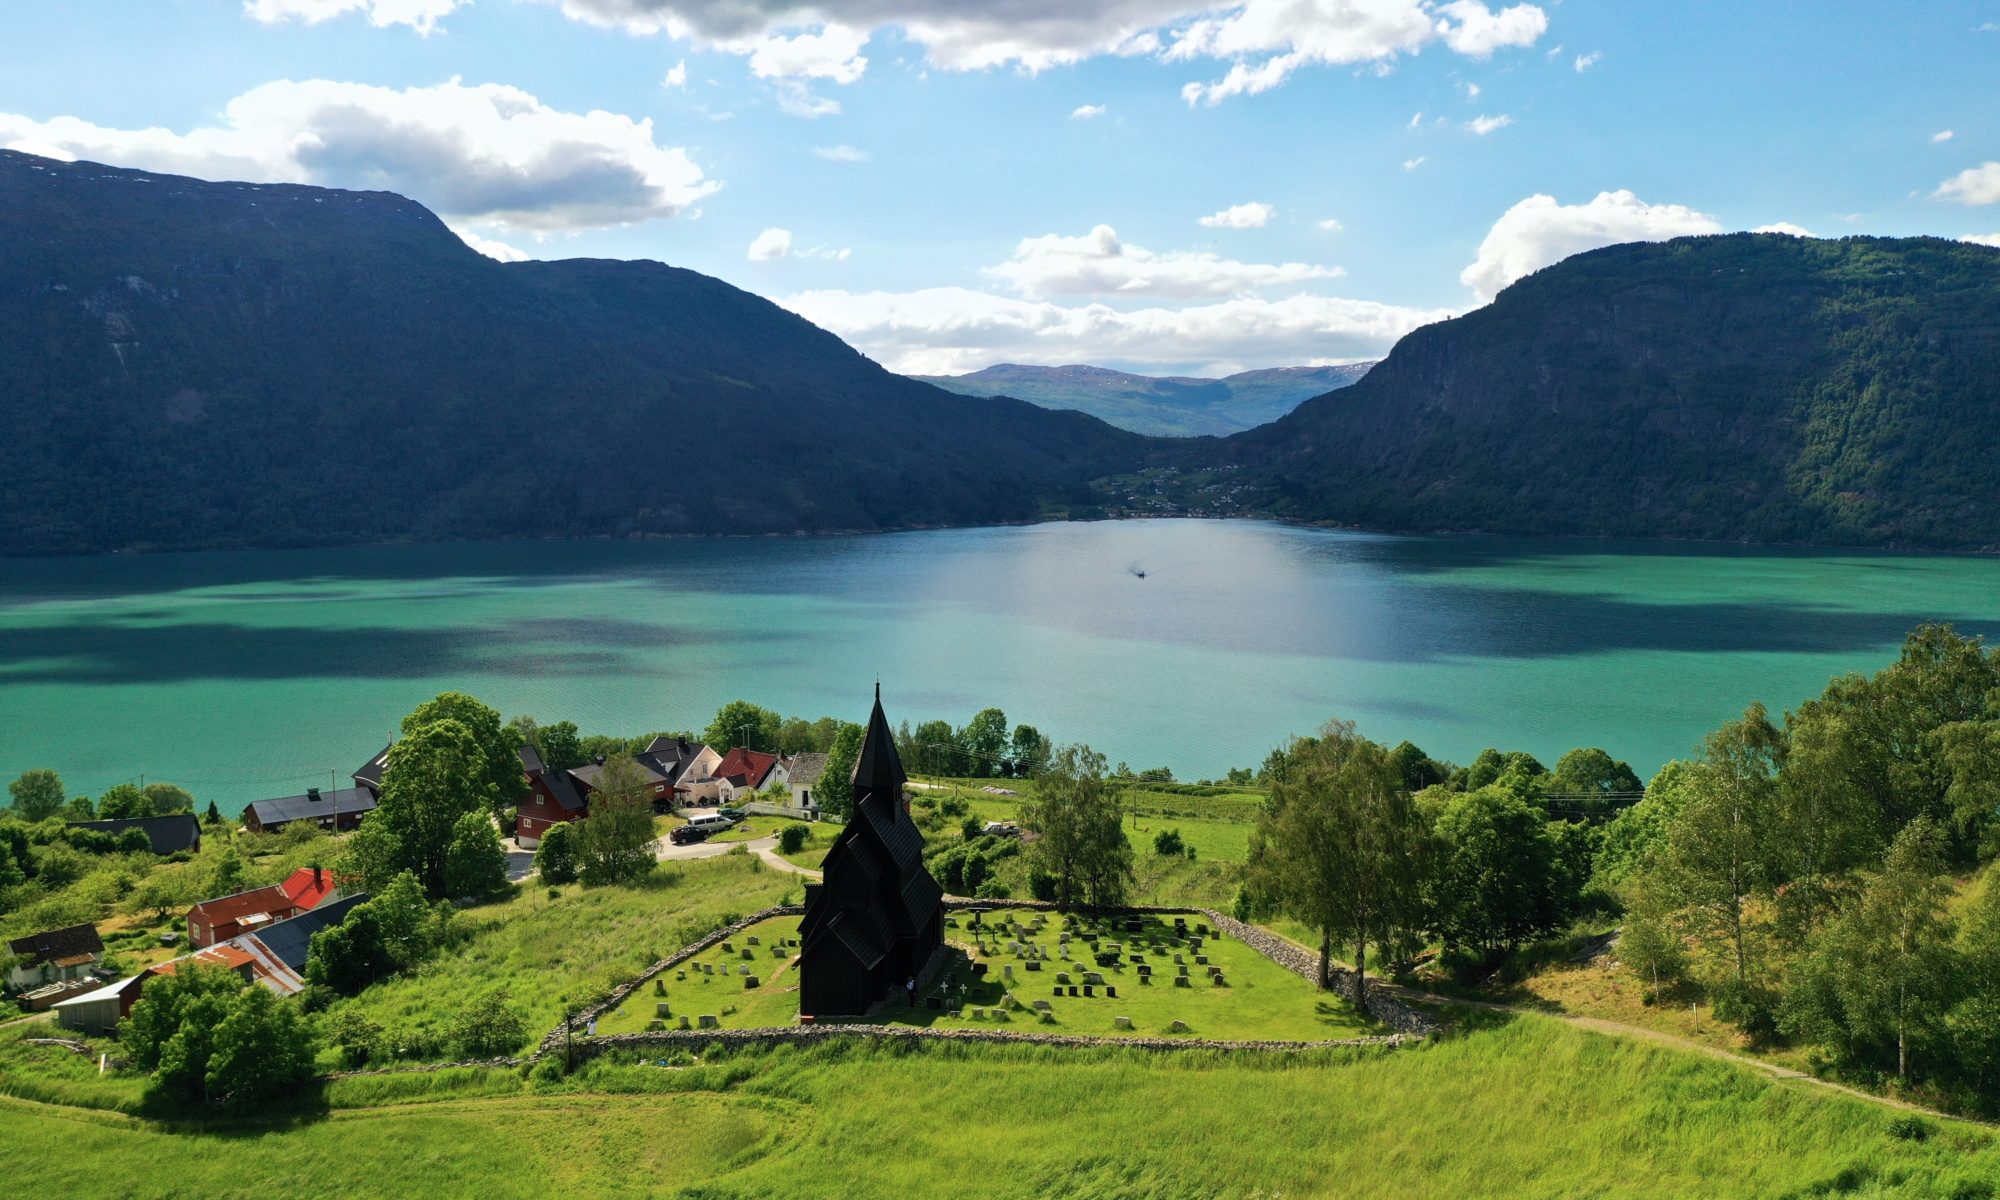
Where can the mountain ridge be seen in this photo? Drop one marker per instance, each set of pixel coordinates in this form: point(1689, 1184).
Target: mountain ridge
point(1158, 405)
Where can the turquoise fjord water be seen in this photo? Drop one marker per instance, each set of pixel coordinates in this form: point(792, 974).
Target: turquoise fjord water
point(241, 675)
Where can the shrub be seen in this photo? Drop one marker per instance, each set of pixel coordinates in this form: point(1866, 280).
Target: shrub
point(487, 1027)
point(1167, 843)
point(1910, 1128)
point(1041, 884)
point(555, 858)
point(793, 838)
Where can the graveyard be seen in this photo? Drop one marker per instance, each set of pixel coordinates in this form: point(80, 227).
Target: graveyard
point(1026, 971)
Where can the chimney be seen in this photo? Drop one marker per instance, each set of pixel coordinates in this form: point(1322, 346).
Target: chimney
point(316, 878)
point(600, 760)
point(312, 795)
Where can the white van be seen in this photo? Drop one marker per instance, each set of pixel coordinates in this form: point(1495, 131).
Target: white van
point(710, 823)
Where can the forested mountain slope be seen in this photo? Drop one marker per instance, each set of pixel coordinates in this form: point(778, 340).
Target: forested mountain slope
point(1750, 386)
point(1165, 406)
point(188, 364)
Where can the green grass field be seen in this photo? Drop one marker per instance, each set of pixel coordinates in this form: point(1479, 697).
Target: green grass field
point(1528, 1108)
point(575, 948)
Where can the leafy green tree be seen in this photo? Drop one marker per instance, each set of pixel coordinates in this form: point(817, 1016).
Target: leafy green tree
point(79, 808)
point(259, 1050)
point(835, 792)
point(792, 838)
point(984, 742)
point(741, 723)
point(1167, 843)
point(411, 925)
point(938, 751)
point(1879, 981)
point(555, 858)
point(1590, 771)
point(561, 746)
point(614, 844)
point(228, 876)
point(1496, 878)
point(351, 955)
point(1081, 822)
point(1974, 1022)
point(475, 862)
point(213, 816)
point(134, 841)
point(1491, 764)
point(169, 798)
point(358, 1039)
point(1634, 833)
point(373, 854)
point(1821, 830)
point(1027, 751)
point(436, 774)
point(490, 1025)
point(1416, 769)
point(11, 872)
point(498, 748)
point(1341, 850)
point(37, 794)
point(169, 1028)
point(123, 802)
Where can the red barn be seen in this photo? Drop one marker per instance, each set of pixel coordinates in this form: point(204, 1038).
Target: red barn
point(226, 917)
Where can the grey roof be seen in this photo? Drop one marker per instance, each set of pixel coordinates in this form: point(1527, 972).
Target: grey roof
point(291, 940)
point(52, 944)
point(169, 834)
point(531, 759)
point(805, 769)
point(351, 801)
point(589, 773)
point(370, 774)
point(671, 757)
point(563, 788)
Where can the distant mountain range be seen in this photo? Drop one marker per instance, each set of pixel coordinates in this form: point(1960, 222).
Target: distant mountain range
point(1161, 407)
point(1749, 387)
point(192, 364)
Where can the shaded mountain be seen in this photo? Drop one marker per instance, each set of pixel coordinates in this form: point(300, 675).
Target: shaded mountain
point(187, 364)
point(1751, 387)
point(1161, 406)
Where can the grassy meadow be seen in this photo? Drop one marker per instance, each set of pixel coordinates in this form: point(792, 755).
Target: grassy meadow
point(1522, 1108)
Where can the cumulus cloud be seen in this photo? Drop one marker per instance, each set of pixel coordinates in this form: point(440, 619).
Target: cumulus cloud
point(1471, 91)
point(1982, 239)
point(488, 153)
point(1538, 231)
point(490, 247)
point(1085, 112)
point(1942, 135)
point(1265, 41)
point(1974, 185)
point(1099, 264)
point(1254, 215)
point(1411, 164)
point(1785, 227)
point(1482, 125)
point(951, 330)
point(1586, 61)
point(677, 75)
point(842, 153)
point(795, 99)
point(833, 53)
point(770, 244)
point(420, 15)
point(1331, 225)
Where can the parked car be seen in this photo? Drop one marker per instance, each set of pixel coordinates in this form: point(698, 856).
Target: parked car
point(687, 835)
point(733, 813)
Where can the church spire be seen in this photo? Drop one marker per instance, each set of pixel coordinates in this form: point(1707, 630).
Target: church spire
point(878, 770)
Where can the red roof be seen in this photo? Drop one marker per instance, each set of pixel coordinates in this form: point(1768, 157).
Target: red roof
point(224, 955)
point(246, 904)
point(746, 768)
point(307, 886)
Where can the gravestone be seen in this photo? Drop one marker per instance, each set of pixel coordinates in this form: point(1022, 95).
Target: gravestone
point(1007, 971)
point(659, 986)
point(1072, 989)
point(1178, 958)
point(1178, 1027)
point(709, 1022)
point(1202, 959)
point(1056, 990)
point(1145, 981)
point(1182, 981)
point(748, 953)
point(744, 969)
point(1093, 977)
point(1086, 989)
point(1218, 980)
point(660, 1009)
point(750, 980)
point(1048, 1018)
point(752, 939)
point(684, 1021)
point(1111, 990)
point(728, 949)
point(1182, 970)
point(680, 976)
point(1044, 1006)
point(1122, 1022)
point(1062, 976)
point(1034, 964)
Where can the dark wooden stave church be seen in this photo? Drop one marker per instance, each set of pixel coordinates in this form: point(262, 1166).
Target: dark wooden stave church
point(876, 916)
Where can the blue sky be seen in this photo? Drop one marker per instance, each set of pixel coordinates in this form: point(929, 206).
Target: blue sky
point(949, 185)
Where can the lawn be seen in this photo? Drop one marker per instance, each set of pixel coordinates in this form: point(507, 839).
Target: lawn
point(1528, 1108)
point(712, 984)
point(572, 949)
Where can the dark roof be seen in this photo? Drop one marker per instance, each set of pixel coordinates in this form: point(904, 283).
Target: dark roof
point(52, 944)
point(291, 940)
point(531, 760)
point(246, 904)
point(857, 930)
point(671, 757)
point(370, 774)
point(563, 788)
point(805, 769)
point(353, 801)
point(878, 766)
point(169, 834)
point(588, 774)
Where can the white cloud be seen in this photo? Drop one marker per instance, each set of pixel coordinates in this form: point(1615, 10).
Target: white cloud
point(1982, 239)
point(833, 53)
point(420, 15)
point(795, 99)
point(1254, 215)
point(1785, 227)
point(1099, 264)
point(1471, 91)
point(1538, 231)
point(1331, 225)
point(1417, 121)
point(1942, 135)
point(1482, 125)
point(770, 244)
point(1084, 112)
point(1264, 41)
point(951, 330)
point(1974, 185)
point(677, 75)
point(1586, 61)
point(842, 153)
point(486, 153)
point(1411, 164)
point(490, 247)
